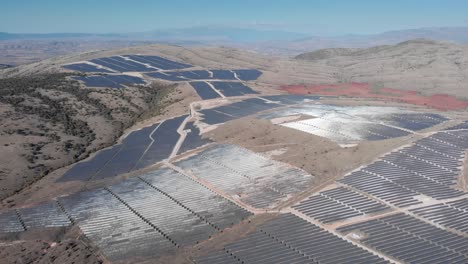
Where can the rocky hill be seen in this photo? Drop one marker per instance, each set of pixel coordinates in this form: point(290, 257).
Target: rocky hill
point(422, 65)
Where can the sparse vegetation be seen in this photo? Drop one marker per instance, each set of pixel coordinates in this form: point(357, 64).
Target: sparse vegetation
point(52, 111)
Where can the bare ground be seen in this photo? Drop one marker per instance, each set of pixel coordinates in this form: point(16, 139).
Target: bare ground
point(52, 245)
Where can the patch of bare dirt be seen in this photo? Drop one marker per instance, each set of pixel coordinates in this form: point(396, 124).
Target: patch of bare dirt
point(52, 245)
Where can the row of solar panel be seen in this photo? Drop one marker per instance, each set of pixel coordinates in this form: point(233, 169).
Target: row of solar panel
point(290, 239)
point(149, 64)
point(140, 149)
point(450, 215)
point(258, 181)
point(212, 89)
point(250, 106)
point(109, 81)
point(338, 204)
point(236, 110)
point(42, 216)
point(140, 217)
point(429, 167)
point(413, 121)
point(232, 75)
point(409, 240)
point(128, 63)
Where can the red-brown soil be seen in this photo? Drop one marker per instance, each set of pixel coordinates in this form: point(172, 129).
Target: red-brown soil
point(440, 102)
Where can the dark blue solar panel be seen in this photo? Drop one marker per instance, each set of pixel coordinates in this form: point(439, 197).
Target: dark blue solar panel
point(165, 138)
point(84, 67)
point(85, 170)
point(133, 147)
point(159, 62)
point(212, 116)
point(248, 75)
point(204, 90)
point(193, 139)
point(119, 64)
point(223, 75)
point(125, 79)
point(104, 62)
point(194, 75)
point(233, 88)
point(164, 76)
point(233, 111)
point(130, 65)
point(168, 62)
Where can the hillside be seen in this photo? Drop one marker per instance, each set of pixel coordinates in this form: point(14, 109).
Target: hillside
point(421, 65)
point(165, 154)
point(49, 121)
point(41, 141)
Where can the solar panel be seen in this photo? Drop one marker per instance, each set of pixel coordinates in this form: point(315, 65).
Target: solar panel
point(84, 67)
point(204, 90)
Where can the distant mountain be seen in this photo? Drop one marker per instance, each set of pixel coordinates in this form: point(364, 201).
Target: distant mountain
point(32, 36)
point(220, 34)
point(427, 66)
point(450, 34)
point(195, 34)
point(264, 41)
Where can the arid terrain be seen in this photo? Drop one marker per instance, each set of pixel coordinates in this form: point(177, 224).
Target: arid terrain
point(120, 167)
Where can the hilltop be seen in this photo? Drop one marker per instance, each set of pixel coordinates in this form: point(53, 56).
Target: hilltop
point(421, 65)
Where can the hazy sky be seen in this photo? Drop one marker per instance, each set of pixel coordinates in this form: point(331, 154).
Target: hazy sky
point(319, 17)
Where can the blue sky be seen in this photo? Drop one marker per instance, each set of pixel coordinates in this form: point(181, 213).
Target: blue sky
point(315, 17)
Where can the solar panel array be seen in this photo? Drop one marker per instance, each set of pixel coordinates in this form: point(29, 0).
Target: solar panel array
point(127, 63)
point(229, 89)
point(349, 125)
point(338, 204)
point(161, 68)
point(158, 62)
point(345, 132)
point(413, 121)
point(218, 211)
point(247, 74)
point(193, 139)
point(122, 64)
point(146, 216)
point(118, 231)
point(43, 216)
point(85, 67)
point(109, 81)
point(140, 149)
point(204, 90)
point(10, 222)
point(179, 224)
point(429, 168)
point(409, 240)
point(259, 181)
point(236, 110)
point(290, 239)
point(210, 90)
point(193, 75)
point(452, 215)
